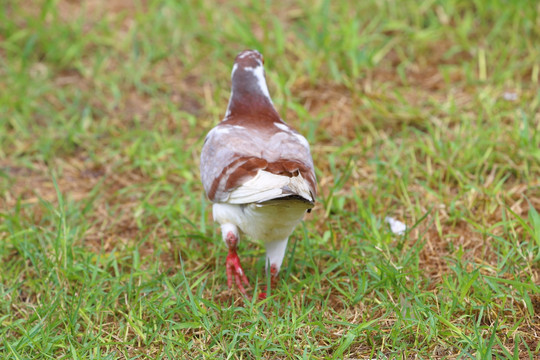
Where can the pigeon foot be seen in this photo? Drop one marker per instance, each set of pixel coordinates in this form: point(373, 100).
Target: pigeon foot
point(273, 281)
point(235, 273)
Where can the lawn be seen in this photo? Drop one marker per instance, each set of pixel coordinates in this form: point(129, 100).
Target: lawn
point(424, 111)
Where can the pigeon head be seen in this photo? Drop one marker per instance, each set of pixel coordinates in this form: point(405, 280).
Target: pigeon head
point(250, 58)
point(249, 92)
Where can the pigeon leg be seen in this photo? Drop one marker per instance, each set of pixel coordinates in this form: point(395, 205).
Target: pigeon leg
point(235, 273)
point(273, 281)
point(275, 252)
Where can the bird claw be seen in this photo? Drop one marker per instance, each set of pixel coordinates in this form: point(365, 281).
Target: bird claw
point(264, 293)
point(235, 273)
point(273, 282)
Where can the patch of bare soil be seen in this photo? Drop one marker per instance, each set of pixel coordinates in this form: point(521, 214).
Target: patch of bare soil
point(76, 177)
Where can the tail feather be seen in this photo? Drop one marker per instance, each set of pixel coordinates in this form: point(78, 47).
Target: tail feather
point(267, 186)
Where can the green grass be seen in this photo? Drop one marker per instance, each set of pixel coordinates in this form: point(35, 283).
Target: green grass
point(107, 245)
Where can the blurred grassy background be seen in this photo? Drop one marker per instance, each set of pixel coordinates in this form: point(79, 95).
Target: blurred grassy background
point(426, 111)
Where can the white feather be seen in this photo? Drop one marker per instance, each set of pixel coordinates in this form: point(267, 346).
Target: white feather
point(267, 186)
point(396, 226)
point(299, 186)
point(275, 252)
point(267, 223)
point(282, 127)
point(258, 72)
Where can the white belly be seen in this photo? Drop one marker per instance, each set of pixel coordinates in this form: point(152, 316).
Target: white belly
point(265, 222)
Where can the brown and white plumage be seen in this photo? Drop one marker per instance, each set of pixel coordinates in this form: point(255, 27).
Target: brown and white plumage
point(256, 169)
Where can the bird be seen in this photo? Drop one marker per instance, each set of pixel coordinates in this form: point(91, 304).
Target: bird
point(257, 171)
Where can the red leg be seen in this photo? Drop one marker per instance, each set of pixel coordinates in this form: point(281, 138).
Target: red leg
point(273, 281)
point(234, 268)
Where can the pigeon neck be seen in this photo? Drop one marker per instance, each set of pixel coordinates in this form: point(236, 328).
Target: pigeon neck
point(249, 94)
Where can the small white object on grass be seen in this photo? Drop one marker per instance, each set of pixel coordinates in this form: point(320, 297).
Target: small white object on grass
point(510, 96)
point(396, 226)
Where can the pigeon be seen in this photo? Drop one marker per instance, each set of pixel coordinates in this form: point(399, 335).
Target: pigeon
point(257, 171)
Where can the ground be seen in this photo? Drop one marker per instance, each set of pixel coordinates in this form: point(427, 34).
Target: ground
point(427, 112)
